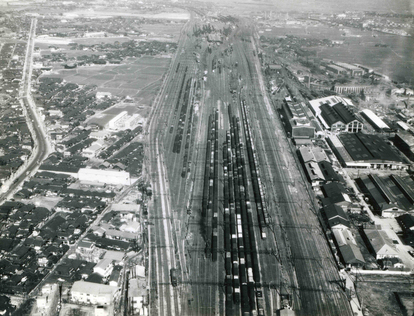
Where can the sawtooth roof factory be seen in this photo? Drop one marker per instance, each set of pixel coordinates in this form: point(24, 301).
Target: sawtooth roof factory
point(366, 151)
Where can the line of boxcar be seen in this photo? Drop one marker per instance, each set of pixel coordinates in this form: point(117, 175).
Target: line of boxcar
point(188, 135)
point(255, 174)
point(241, 259)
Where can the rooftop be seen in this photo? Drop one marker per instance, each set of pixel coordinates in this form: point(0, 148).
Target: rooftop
point(374, 118)
point(92, 288)
point(368, 147)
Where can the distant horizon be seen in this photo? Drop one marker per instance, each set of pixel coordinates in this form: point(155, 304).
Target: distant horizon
point(395, 6)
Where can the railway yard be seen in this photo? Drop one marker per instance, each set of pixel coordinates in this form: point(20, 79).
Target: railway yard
point(234, 228)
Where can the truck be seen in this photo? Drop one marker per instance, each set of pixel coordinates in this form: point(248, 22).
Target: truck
point(173, 275)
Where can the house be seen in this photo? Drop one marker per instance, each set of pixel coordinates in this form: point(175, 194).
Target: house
point(115, 276)
point(92, 293)
point(379, 243)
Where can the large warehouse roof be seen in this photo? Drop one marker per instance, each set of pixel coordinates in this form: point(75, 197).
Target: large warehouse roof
point(368, 147)
point(375, 119)
point(385, 192)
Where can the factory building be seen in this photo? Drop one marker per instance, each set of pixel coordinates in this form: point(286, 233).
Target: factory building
point(374, 120)
point(336, 70)
point(317, 165)
point(406, 222)
point(353, 70)
point(379, 243)
point(365, 151)
point(349, 251)
point(404, 141)
point(331, 100)
point(297, 121)
point(92, 293)
point(338, 118)
point(352, 89)
point(390, 196)
point(104, 176)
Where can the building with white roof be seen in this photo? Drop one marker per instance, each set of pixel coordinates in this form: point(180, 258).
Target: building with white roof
point(92, 293)
point(374, 120)
point(104, 176)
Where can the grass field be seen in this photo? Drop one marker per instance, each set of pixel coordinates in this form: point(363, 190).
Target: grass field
point(139, 78)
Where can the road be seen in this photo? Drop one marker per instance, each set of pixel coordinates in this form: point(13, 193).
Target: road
point(42, 147)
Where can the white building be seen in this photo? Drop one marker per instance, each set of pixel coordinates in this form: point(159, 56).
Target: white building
point(104, 267)
point(92, 293)
point(104, 176)
point(117, 121)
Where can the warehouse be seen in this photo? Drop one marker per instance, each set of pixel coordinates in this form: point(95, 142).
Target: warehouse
point(317, 165)
point(353, 70)
point(379, 243)
point(296, 118)
point(348, 249)
point(404, 141)
point(366, 151)
point(338, 118)
point(374, 120)
point(104, 176)
point(331, 100)
point(336, 69)
point(390, 196)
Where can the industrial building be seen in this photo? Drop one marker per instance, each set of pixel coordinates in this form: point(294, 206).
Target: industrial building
point(379, 244)
point(336, 216)
point(374, 120)
point(406, 222)
point(335, 114)
point(331, 100)
point(358, 150)
point(104, 176)
point(353, 89)
point(317, 165)
point(299, 122)
point(92, 293)
point(336, 69)
point(390, 196)
point(353, 70)
point(404, 141)
point(349, 251)
point(335, 194)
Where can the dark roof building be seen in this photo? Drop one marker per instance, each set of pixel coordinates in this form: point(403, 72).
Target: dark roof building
point(390, 196)
point(366, 151)
point(336, 216)
point(338, 118)
point(299, 121)
point(406, 221)
point(347, 246)
point(335, 193)
point(404, 141)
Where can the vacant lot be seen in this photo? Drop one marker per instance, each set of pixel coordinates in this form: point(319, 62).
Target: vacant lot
point(139, 78)
point(377, 293)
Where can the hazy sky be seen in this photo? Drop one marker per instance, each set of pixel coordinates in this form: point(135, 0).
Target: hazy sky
point(399, 6)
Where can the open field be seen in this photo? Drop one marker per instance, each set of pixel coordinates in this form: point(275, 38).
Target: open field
point(139, 78)
point(378, 295)
point(177, 15)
